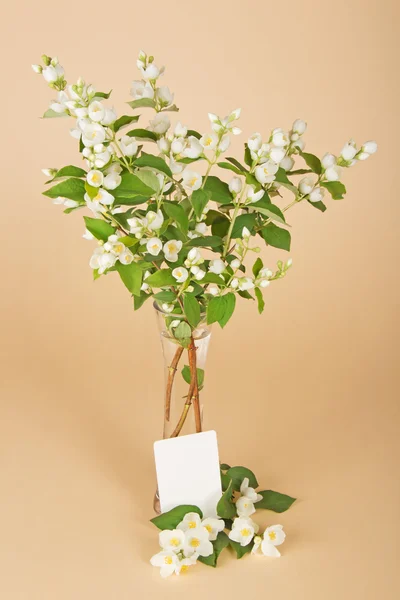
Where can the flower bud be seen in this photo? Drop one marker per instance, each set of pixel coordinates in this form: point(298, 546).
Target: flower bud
point(246, 233)
point(235, 185)
point(299, 126)
point(370, 147)
point(37, 68)
point(235, 264)
point(46, 60)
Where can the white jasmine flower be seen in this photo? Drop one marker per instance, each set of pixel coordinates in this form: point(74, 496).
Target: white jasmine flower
point(217, 266)
point(214, 291)
point(37, 68)
point(234, 283)
point(95, 178)
point(194, 258)
point(201, 228)
point(128, 145)
point(145, 286)
point(235, 114)
point(209, 141)
point(265, 272)
point(115, 167)
point(190, 521)
point(306, 185)
point(154, 220)
point(171, 250)
point(244, 507)
point(213, 526)
point(333, 173)
point(141, 59)
point(254, 142)
point(245, 283)
point(287, 163)
point(252, 195)
point(185, 563)
point(299, 144)
point(87, 235)
point(263, 283)
point(235, 185)
point(112, 181)
point(235, 264)
point(114, 245)
point(164, 95)
point(369, 147)
point(61, 105)
point(93, 134)
point(142, 89)
point(273, 536)
point(246, 233)
point(180, 130)
point(171, 540)
point(299, 126)
point(96, 111)
point(242, 531)
point(265, 173)
point(52, 73)
point(191, 180)
point(104, 197)
point(193, 149)
point(317, 194)
point(167, 561)
point(225, 142)
point(109, 116)
point(102, 158)
point(199, 274)
point(197, 542)
point(328, 160)
point(276, 154)
point(151, 72)
point(349, 151)
point(126, 257)
point(164, 145)
point(249, 492)
point(154, 246)
point(71, 203)
point(178, 145)
point(168, 308)
point(175, 167)
point(280, 138)
point(180, 274)
point(160, 124)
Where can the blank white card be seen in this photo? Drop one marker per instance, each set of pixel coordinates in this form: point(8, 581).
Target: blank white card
point(188, 472)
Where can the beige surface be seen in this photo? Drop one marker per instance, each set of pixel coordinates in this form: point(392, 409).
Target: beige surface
point(307, 394)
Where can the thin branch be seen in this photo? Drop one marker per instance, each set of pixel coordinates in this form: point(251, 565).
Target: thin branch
point(170, 382)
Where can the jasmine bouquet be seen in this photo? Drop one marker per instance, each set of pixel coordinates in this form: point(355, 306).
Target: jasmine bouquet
point(176, 221)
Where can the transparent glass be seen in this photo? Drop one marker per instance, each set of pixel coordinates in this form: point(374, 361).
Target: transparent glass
point(184, 368)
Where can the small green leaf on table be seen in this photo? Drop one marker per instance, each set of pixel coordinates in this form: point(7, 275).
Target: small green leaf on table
point(172, 518)
point(226, 509)
point(240, 550)
point(237, 474)
point(275, 501)
point(219, 544)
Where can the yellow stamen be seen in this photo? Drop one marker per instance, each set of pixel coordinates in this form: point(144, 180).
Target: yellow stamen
point(245, 532)
point(192, 524)
point(195, 542)
point(272, 535)
point(209, 528)
point(174, 542)
point(168, 560)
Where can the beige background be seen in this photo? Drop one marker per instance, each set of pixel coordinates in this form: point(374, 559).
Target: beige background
point(307, 394)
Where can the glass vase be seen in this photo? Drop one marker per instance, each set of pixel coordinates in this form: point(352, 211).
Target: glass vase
point(184, 368)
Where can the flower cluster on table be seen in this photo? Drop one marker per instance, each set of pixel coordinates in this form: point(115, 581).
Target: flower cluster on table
point(164, 226)
point(186, 537)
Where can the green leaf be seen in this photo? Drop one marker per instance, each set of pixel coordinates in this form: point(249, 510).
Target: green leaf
point(124, 121)
point(219, 223)
point(318, 205)
point(273, 212)
point(138, 301)
point(72, 188)
point(312, 161)
point(335, 188)
point(275, 501)
point(240, 550)
point(91, 190)
point(219, 190)
point(208, 241)
point(299, 172)
point(215, 309)
point(104, 95)
point(142, 102)
point(99, 228)
point(154, 162)
point(225, 507)
point(258, 265)
point(161, 278)
point(131, 276)
point(130, 187)
point(69, 171)
point(260, 300)
point(225, 481)
point(276, 236)
point(245, 294)
point(199, 200)
point(237, 164)
point(213, 278)
point(192, 132)
point(52, 114)
point(172, 518)
point(237, 474)
point(143, 134)
point(192, 309)
point(183, 331)
point(176, 212)
point(229, 167)
point(188, 378)
point(247, 156)
point(225, 467)
point(247, 220)
point(281, 177)
point(230, 303)
point(148, 178)
point(219, 544)
point(165, 296)
point(171, 108)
